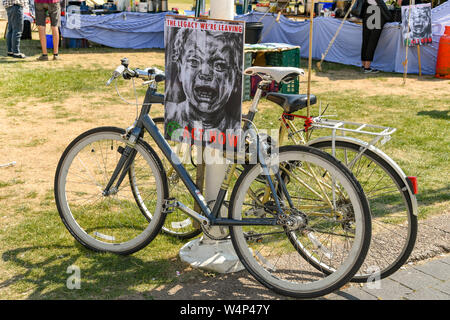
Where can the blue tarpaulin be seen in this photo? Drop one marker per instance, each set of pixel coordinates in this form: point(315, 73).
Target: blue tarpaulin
point(346, 49)
point(141, 30)
point(119, 30)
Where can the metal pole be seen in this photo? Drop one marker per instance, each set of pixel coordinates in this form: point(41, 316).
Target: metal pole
point(198, 7)
point(206, 253)
point(311, 25)
point(245, 8)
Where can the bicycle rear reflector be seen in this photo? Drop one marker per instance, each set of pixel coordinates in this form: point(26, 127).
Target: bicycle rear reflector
point(413, 184)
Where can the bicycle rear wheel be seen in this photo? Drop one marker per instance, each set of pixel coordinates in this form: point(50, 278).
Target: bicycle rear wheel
point(112, 223)
point(394, 226)
point(177, 223)
point(333, 226)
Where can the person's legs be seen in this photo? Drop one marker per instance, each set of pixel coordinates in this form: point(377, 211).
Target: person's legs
point(43, 39)
point(371, 36)
point(54, 11)
point(364, 48)
point(15, 20)
point(9, 31)
point(365, 38)
point(372, 42)
point(55, 33)
point(40, 9)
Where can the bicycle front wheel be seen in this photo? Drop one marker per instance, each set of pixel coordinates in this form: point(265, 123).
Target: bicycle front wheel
point(394, 226)
point(109, 223)
point(330, 221)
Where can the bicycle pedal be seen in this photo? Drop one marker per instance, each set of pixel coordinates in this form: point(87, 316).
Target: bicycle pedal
point(169, 205)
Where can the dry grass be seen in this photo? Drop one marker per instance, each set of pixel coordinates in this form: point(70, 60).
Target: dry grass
point(38, 121)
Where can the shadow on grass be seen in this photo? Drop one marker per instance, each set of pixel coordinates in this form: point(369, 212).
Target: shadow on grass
point(111, 276)
point(430, 196)
point(435, 114)
point(102, 276)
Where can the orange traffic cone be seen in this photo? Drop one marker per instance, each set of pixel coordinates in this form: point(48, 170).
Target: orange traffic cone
point(443, 57)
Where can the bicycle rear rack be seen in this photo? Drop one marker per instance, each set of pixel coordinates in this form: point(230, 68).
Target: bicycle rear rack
point(350, 126)
point(378, 132)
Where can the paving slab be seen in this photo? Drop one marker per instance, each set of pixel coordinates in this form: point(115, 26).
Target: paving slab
point(356, 293)
point(445, 260)
point(414, 279)
point(427, 294)
point(436, 269)
point(443, 287)
point(388, 290)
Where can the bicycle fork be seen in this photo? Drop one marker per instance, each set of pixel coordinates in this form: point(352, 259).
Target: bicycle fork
point(124, 164)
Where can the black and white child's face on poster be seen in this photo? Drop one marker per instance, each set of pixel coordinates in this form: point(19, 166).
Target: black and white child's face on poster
point(204, 61)
point(419, 31)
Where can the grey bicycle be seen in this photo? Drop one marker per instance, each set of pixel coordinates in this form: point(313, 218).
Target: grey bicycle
point(270, 220)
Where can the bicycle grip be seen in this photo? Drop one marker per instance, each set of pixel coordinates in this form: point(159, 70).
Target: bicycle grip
point(116, 73)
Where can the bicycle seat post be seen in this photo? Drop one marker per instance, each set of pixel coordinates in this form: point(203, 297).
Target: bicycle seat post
point(262, 86)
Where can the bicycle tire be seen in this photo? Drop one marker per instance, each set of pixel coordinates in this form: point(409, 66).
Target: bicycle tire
point(402, 239)
point(103, 225)
point(250, 242)
point(177, 224)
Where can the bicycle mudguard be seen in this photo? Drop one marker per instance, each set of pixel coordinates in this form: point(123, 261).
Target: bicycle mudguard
point(382, 155)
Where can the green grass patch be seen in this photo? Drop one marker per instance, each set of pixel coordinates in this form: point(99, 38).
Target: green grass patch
point(51, 84)
point(41, 250)
point(35, 142)
point(11, 182)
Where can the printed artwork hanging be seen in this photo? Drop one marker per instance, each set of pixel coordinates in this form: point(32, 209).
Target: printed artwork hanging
point(203, 89)
point(419, 31)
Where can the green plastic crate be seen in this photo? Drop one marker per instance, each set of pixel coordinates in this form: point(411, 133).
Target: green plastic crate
point(246, 86)
point(286, 58)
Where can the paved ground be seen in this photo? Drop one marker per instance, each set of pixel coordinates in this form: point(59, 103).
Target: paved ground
point(426, 276)
point(428, 280)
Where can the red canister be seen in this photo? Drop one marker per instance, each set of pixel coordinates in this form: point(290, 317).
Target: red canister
point(443, 57)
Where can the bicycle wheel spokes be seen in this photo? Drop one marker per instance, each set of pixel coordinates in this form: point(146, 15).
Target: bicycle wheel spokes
point(322, 246)
point(394, 227)
point(328, 237)
point(115, 218)
point(112, 222)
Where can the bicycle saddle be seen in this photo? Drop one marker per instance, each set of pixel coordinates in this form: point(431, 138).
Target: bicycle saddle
point(291, 102)
point(279, 74)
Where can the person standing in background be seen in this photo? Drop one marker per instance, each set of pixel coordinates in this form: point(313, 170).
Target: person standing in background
point(54, 11)
point(375, 15)
point(14, 11)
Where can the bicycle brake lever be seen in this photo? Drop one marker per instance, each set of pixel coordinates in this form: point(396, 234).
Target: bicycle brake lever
point(109, 81)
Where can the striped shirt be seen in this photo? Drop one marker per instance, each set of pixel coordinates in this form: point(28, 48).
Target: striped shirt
point(10, 3)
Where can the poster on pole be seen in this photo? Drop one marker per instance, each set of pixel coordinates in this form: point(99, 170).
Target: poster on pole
point(203, 89)
point(419, 30)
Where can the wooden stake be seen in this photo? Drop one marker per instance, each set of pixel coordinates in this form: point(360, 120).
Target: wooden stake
point(278, 17)
point(405, 63)
point(319, 64)
point(418, 59)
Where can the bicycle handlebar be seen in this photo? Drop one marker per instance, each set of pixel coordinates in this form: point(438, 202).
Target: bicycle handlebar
point(151, 74)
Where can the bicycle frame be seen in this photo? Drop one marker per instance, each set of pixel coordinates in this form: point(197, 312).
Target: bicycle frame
point(208, 216)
